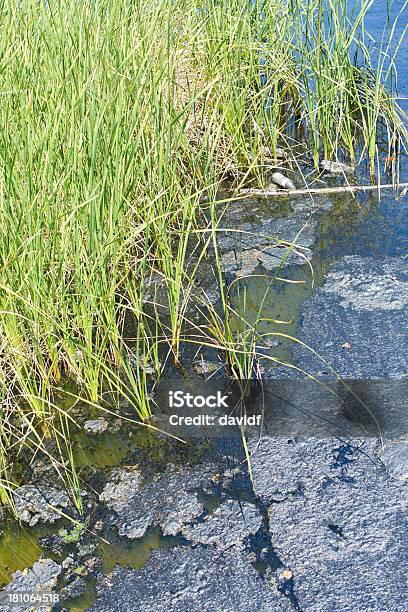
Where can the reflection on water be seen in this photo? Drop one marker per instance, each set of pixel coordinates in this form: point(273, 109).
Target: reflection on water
point(19, 547)
point(104, 450)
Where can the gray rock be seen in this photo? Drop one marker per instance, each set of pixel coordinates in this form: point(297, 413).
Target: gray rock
point(40, 503)
point(245, 263)
point(169, 500)
point(140, 361)
point(333, 167)
point(354, 408)
point(261, 244)
point(96, 426)
point(279, 153)
point(267, 231)
point(299, 229)
point(186, 579)
point(282, 181)
point(282, 468)
point(273, 258)
point(242, 263)
point(204, 367)
point(337, 520)
point(315, 204)
point(74, 589)
point(227, 526)
point(40, 579)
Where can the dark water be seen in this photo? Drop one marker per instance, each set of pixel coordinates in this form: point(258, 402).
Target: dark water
point(379, 23)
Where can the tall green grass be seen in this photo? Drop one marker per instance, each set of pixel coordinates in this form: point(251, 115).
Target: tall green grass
point(116, 119)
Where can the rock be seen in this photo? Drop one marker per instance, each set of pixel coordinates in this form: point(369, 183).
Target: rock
point(279, 153)
point(140, 361)
point(92, 563)
point(53, 543)
point(227, 526)
point(264, 248)
point(243, 263)
point(84, 550)
point(282, 181)
point(317, 204)
point(74, 589)
point(115, 426)
point(40, 579)
point(297, 228)
point(208, 295)
point(67, 562)
point(334, 167)
point(40, 503)
point(169, 500)
point(203, 367)
point(339, 525)
point(246, 263)
point(124, 483)
point(96, 426)
point(190, 579)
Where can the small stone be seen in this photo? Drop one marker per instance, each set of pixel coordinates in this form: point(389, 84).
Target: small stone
point(279, 153)
point(86, 549)
point(334, 167)
point(282, 181)
point(96, 426)
point(92, 563)
point(287, 574)
point(203, 367)
point(67, 562)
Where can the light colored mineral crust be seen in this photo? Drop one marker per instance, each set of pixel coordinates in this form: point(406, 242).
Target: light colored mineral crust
point(229, 525)
point(169, 500)
point(359, 290)
point(41, 578)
